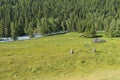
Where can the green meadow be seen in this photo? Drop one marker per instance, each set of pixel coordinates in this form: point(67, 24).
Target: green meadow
point(49, 58)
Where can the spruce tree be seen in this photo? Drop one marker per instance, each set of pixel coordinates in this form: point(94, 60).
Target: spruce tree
point(13, 31)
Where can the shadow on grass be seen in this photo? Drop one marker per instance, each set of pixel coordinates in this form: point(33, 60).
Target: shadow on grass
point(50, 34)
point(98, 51)
point(98, 36)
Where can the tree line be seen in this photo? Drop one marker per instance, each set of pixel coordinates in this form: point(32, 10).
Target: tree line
point(26, 17)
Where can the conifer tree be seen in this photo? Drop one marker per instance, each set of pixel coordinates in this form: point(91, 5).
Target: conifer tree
point(13, 31)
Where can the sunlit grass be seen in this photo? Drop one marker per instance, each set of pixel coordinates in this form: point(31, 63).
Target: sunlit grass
point(49, 58)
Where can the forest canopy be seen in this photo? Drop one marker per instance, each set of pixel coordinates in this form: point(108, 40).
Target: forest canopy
point(21, 17)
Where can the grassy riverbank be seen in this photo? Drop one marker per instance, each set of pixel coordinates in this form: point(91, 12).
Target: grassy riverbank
point(49, 58)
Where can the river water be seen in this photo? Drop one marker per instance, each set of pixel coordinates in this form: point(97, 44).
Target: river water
point(9, 39)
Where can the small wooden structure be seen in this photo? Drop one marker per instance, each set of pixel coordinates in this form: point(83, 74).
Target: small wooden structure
point(94, 50)
point(71, 51)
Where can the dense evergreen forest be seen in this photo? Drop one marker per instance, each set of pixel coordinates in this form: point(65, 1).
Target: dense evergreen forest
point(25, 17)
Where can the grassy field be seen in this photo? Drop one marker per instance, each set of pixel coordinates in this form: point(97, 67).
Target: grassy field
point(49, 58)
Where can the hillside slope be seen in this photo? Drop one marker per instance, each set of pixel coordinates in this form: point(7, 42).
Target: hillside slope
point(49, 58)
